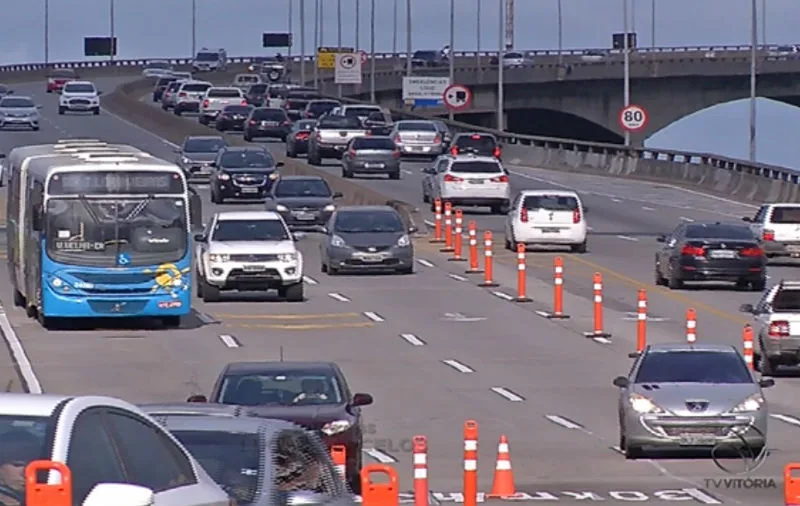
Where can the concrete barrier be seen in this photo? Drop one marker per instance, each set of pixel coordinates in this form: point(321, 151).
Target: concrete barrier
point(126, 102)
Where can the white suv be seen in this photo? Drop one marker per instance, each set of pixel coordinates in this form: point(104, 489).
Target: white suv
point(248, 250)
point(79, 96)
point(548, 218)
point(778, 228)
point(468, 180)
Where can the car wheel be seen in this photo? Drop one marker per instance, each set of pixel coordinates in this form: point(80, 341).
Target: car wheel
point(203, 120)
point(292, 293)
point(19, 299)
point(674, 281)
point(766, 366)
point(758, 286)
point(164, 107)
point(198, 286)
point(210, 292)
point(406, 270)
point(176, 111)
point(290, 154)
point(61, 110)
point(425, 198)
point(657, 277)
point(333, 271)
point(395, 175)
point(35, 129)
point(579, 248)
point(323, 268)
point(96, 111)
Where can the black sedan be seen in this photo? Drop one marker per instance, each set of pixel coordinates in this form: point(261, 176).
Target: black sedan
point(243, 173)
point(312, 394)
point(233, 117)
point(711, 252)
point(305, 202)
point(267, 122)
point(297, 140)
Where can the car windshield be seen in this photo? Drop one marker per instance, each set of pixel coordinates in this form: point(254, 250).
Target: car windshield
point(238, 109)
point(22, 439)
point(479, 143)
point(551, 202)
point(203, 145)
point(247, 159)
point(476, 167)
point(232, 459)
point(269, 114)
point(291, 388)
point(257, 88)
point(79, 88)
point(786, 214)
point(321, 107)
point(416, 126)
point(249, 230)
point(116, 232)
point(159, 65)
point(302, 188)
point(305, 125)
point(383, 144)
point(360, 112)
point(210, 57)
point(513, 56)
point(16, 102)
point(224, 93)
point(196, 87)
point(354, 222)
point(738, 232)
point(692, 366)
point(163, 81)
point(425, 55)
point(342, 122)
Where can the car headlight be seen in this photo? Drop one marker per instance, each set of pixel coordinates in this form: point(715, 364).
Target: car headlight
point(185, 160)
point(287, 257)
point(329, 208)
point(642, 404)
point(335, 427)
point(59, 284)
point(281, 208)
point(219, 258)
point(404, 241)
point(223, 177)
point(273, 176)
point(338, 242)
point(749, 405)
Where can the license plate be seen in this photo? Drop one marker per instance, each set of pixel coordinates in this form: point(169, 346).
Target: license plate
point(722, 253)
point(340, 148)
point(372, 257)
point(551, 230)
point(253, 268)
point(793, 249)
point(373, 165)
point(269, 123)
point(304, 216)
point(249, 190)
point(697, 440)
point(476, 181)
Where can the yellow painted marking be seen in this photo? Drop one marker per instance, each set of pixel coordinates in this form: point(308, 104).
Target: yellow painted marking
point(230, 316)
point(309, 326)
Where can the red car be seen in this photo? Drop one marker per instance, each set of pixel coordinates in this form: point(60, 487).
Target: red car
point(58, 78)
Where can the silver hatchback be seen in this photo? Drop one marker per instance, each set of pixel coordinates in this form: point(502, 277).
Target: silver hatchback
point(418, 138)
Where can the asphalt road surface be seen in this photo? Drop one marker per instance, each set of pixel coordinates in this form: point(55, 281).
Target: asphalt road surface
point(435, 349)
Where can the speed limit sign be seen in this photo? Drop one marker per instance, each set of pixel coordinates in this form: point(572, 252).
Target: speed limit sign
point(633, 118)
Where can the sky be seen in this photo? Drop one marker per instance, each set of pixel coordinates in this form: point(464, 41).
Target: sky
point(163, 28)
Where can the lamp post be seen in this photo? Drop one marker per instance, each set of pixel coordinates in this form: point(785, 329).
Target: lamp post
point(358, 26)
point(291, 23)
point(626, 86)
point(339, 36)
point(560, 36)
point(372, 52)
point(753, 45)
point(452, 55)
point(46, 32)
point(302, 42)
point(316, 44)
point(194, 28)
point(408, 37)
point(112, 30)
point(500, 49)
point(394, 29)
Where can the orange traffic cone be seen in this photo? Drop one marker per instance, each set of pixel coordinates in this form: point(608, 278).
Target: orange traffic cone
point(503, 484)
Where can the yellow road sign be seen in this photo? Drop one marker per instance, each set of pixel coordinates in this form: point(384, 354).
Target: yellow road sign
point(326, 56)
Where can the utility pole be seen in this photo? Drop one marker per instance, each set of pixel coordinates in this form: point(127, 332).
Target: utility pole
point(315, 60)
point(626, 86)
point(452, 56)
point(339, 36)
point(372, 52)
point(478, 33)
point(753, 70)
point(303, 42)
point(113, 34)
point(291, 25)
point(46, 32)
point(501, 124)
point(358, 26)
point(194, 28)
point(408, 38)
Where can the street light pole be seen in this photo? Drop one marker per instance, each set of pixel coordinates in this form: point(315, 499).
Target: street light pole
point(408, 37)
point(194, 28)
point(339, 35)
point(451, 56)
point(560, 36)
point(753, 45)
point(46, 32)
point(764, 22)
point(477, 33)
point(303, 42)
point(358, 26)
point(500, 49)
point(653, 24)
point(291, 26)
point(394, 28)
point(372, 52)
point(627, 66)
point(315, 60)
point(112, 30)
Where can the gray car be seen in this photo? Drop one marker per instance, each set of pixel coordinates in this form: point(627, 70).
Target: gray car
point(691, 397)
point(170, 95)
point(418, 138)
point(305, 202)
point(197, 154)
point(5, 90)
point(365, 239)
point(297, 139)
point(256, 460)
point(18, 111)
point(371, 155)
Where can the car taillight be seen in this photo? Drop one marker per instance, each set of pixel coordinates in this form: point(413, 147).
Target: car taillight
point(352, 152)
point(206, 103)
point(752, 252)
point(454, 150)
point(437, 139)
point(768, 235)
point(576, 216)
point(308, 114)
point(396, 153)
point(449, 178)
point(497, 152)
point(523, 215)
point(244, 102)
point(500, 179)
point(253, 122)
point(286, 123)
point(779, 329)
point(302, 136)
point(397, 139)
point(476, 137)
point(693, 251)
point(182, 94)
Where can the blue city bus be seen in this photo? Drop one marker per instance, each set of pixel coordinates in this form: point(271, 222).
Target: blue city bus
point(99, 232)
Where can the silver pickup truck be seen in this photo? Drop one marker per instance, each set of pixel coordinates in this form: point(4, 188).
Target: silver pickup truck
point(216, 99)
point(331, 137)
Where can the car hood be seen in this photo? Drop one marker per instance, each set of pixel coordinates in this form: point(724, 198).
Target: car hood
point(313, 202)
point(673, 397)
point(200, 157)
point(19, 110)
point(250, 247)
point(85, 94)
point(312, 417)
point(250, 170)
point(366, 239)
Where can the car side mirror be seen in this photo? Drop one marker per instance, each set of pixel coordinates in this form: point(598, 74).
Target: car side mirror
point(747, 308)
point(200, 237)
point(747, 219)
point(661, 238)
point(38, 106)
point(621, 382)
point(338, 195)
point(213, 164)
point(634, 354)
point(766, 382)
point(119, 494)
point(298, 236)
point(99, 92)
point(197, 398)
point(412, 230)
point(361, 400)
point(585, 210)
point(279, 165)
point(10, 92)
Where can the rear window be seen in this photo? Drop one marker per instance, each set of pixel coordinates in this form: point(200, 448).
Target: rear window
point(693, 366)
point(318, 107)
point(719, 232)
point(296, 104)
point(416, 126)
point(786, 301)
point(174, 86)
point(476, 167)
point(238, 109)
point(163, 81)
point(257, 88)
point(425, 55)
point(373, 143)
point(196, 87)
point(63, 73)
point(476, 142)
point(248, 79)
point(514, 56)
point(223, 93)
point(342, 122)
point(785, 215)
point(269, 114)
point(354, 112)
point(551, 202)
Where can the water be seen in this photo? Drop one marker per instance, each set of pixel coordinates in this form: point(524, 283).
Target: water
point(152, 28)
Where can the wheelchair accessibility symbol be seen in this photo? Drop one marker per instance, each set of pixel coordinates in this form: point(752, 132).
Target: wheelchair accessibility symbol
point(123, 259)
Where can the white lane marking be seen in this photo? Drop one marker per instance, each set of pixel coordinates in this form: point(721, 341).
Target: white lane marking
point(627, 238)
point(786, 419)
point(502, 295)
point(616, 449)
point(406, 171)
point(564, 422)
point(207, 319)
point(374, 316)
point(424, 262)
point(413, 340)
point(458, 366)
point(137, 127)
point(338, 296)
point(456, 277)
point(229, 341)
point(702, 496)
point(645, 208)
point(687, 220)
point(590, 229)
point(310, 281)
point(614, 199)
point(380, 455)
point(508, 394)
point(32, 384)
point(429, 223)
point(601, 340)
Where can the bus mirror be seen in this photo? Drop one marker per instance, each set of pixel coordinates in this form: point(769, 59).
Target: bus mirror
point(36, 220)
point(195, 211)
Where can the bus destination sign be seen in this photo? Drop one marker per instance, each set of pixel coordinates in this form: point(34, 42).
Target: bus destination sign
point(103, 183)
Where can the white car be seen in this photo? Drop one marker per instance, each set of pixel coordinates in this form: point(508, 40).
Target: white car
point(79, 96)
point(468, 180)
point(248, 251)
point(547, 218)
point(777, 226)
point(514, 60)
point(593, 55)
point(109, 447)
point(158, 68)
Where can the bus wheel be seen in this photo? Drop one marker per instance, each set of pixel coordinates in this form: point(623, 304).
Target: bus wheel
point(171, 321)
point(30, 311)
point(48, 323)
point(19, 299)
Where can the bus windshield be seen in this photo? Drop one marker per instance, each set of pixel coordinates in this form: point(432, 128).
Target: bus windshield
point(116, 232)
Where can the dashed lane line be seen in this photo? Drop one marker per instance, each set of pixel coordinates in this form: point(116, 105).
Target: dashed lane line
point(374, 316)
point(457, 277)
point(229, 341)
point(687, 220)
point(645, 208)
point(310, 281)
point(32, 384)
point(458, 366)
point(338, 296)
point(786, 419)
point(502, 295)
point(564, 422)
point(601, 340)
point(507, 394)
point(424, 262)
point(306, 326)
point(412, 340)
point(380, 455)
point(292, 316)
point(627, 238)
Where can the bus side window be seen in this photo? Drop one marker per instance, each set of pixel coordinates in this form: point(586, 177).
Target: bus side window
point(37, 206)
